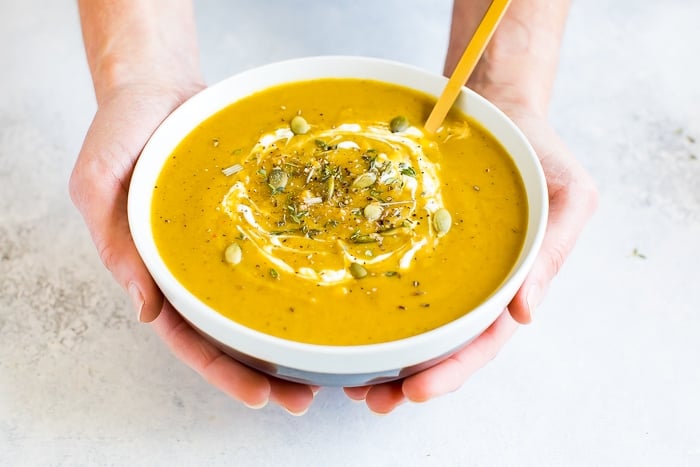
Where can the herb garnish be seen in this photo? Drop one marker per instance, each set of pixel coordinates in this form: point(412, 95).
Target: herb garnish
point(406, 169)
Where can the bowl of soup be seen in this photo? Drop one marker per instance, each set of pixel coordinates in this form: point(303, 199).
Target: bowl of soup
point(299, 216)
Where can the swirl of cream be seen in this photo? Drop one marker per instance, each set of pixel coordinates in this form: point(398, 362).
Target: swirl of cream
point(405, 187)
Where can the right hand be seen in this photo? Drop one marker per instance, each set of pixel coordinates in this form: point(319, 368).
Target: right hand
point(572, 200)
point(125, 119)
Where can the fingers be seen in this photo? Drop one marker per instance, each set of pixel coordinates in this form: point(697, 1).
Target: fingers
point(450, 374)
point(235, 379)
point(383, 398)
point(443, 378)
point(358, 393)
point(380, 398)
point(239, 381)
point(293, 397)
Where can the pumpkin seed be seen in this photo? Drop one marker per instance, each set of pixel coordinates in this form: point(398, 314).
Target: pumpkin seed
point(233, 254)
point(357, 237)
point(357, 270)
point(277, 180)
point(442, 221)
point(398, 123)
point(299, 126)
point(365, 180)
point(373, 211)
point(330, 188)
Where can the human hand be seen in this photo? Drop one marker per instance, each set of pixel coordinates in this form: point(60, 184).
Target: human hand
point(572, 200)
point(125, 119)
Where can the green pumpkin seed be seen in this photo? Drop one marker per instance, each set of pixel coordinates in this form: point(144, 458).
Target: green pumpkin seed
point(357, 237)
point(330, 188)
point(233, 254)
point(299, 126)
point(373, 211)
point(277, 180)
point(398, 124)
point(358, 271)
point(442, 221)
point(365, 180)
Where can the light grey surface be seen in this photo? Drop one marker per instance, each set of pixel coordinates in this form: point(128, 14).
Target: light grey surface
point(608, 375)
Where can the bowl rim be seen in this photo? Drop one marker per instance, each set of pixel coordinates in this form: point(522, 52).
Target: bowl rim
point(345, 359)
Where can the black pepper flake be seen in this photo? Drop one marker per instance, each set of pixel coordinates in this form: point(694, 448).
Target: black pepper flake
point(401, 307)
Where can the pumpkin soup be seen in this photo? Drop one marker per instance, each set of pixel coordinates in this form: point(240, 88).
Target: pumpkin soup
point(321, 212)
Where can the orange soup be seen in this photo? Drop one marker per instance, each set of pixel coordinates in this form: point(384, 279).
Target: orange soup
point(322, 212)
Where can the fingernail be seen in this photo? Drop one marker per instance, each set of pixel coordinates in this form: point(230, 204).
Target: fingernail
point(297, 414)
point(256, 406)
point(136, 298)
point(534, 296)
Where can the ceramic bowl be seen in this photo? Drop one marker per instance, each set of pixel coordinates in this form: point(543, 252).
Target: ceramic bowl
point(321, 364)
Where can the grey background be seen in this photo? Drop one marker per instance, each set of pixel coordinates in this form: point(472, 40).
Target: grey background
point(607, 375)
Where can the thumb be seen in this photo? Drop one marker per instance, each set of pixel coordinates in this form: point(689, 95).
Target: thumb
point(570, 208)
point(98, 188)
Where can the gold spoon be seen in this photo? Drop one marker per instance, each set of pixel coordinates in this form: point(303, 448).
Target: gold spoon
point(466, 63)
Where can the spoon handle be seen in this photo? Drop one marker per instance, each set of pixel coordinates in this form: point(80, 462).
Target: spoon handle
point(466, 63)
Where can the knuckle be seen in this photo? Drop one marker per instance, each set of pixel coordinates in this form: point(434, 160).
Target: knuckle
point(556, 257)
point(75, 186)
point(585, 191)
point(589, 193)
point(109, 256)
point(489, 353)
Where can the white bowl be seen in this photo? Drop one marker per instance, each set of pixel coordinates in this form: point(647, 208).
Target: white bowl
point(322, 364)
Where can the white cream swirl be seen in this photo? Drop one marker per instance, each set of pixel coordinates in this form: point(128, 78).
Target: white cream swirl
point(320, 221)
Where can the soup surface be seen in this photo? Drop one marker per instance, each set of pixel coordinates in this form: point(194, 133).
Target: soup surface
point(321, 212)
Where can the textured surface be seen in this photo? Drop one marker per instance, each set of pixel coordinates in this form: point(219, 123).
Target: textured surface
point(608, 375)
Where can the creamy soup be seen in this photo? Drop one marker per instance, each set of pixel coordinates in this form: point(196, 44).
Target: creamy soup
point(321, 212)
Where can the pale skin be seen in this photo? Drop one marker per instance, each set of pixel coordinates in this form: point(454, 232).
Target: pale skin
point(144, 62)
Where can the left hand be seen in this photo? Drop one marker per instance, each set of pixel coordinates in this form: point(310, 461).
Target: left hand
point(572, 200)
point(125, 119)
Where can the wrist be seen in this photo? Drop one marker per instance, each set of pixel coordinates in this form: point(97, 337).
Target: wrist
point(140, 43)
point(114, 74)
point(519, 65)
point(511, 89)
